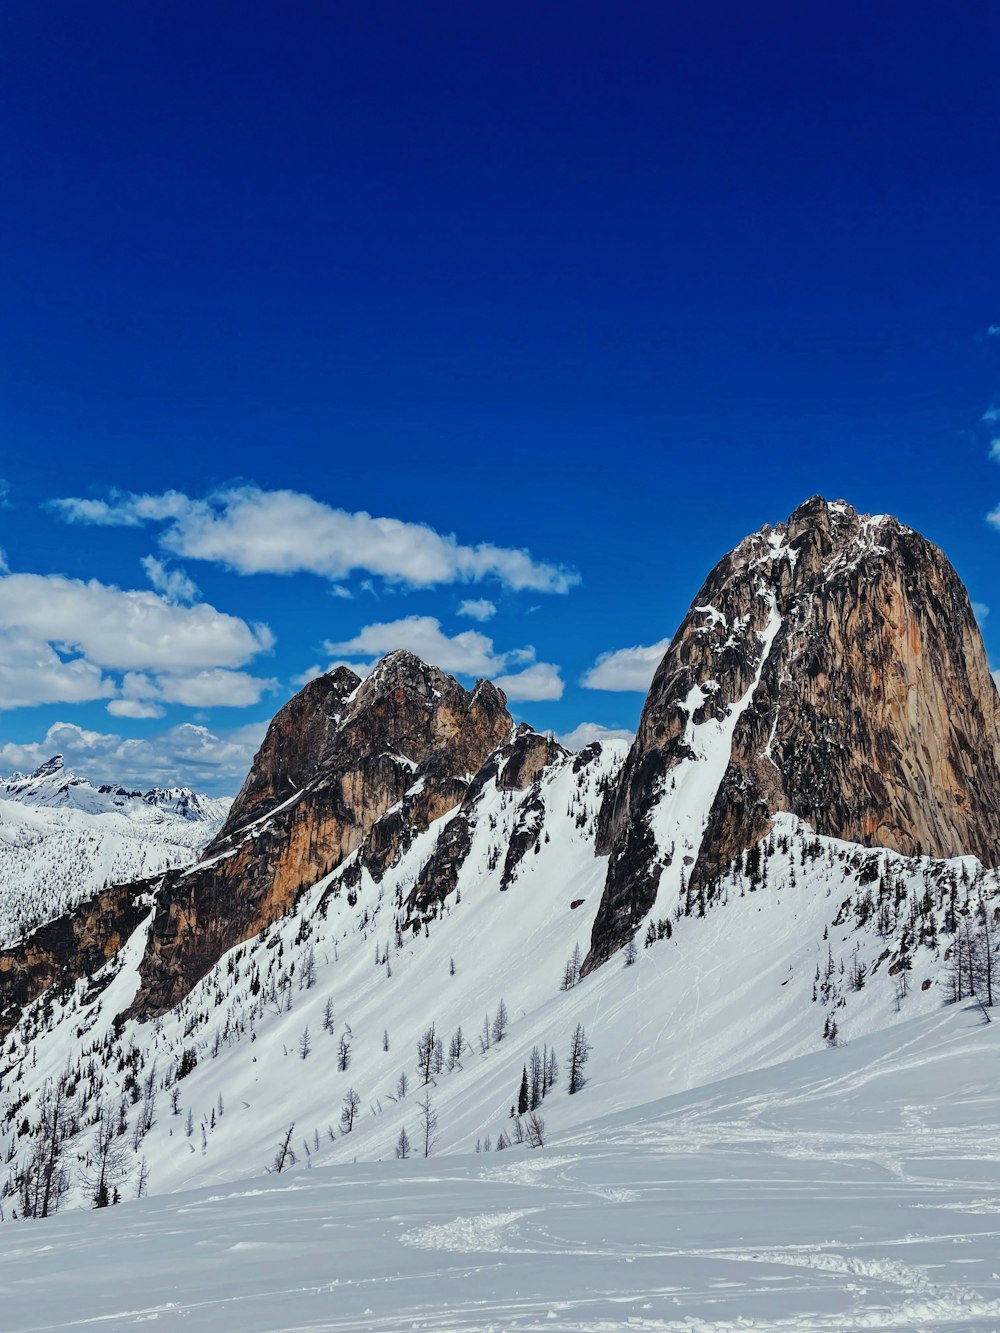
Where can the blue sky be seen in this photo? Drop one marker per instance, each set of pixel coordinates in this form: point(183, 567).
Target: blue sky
point(610, 285)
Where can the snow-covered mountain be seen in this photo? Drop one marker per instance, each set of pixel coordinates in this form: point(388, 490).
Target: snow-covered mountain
point(417, 917)
point(62, 839)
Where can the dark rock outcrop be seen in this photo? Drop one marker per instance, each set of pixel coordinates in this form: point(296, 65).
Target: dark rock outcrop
point(74, 945)
point(840, 660)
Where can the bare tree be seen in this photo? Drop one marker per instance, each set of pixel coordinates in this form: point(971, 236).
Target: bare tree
point(536, 1079)
point(328, 1015)
point(536, 1130)
point(579, 1053)
point(455, 1048)
point(501, 1022)
point(551, 1066)
point(571, 971)
point(307, 979)
point(105, 1163)
point(425, 1055)
point(285, 1156)
point(988, 944)
point(403, 1144)
point(43, 1180)
point(343, 1053)
point(428, 1124)
point(349, 1111)
point(402, 1084)
point(305, 1044)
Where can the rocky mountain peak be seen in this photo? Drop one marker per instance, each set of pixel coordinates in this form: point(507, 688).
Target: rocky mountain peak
point(830, 666)
point(347, 765)
point(50, 768)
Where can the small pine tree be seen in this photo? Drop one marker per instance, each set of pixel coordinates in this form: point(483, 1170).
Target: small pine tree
point(522, 1096)
point(403, 1144)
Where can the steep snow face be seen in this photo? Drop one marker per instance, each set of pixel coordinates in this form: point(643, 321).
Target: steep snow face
point(62, 839)
point(851, 1189)
point(807, 943)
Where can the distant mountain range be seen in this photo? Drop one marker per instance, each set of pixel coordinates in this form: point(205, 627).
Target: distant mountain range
point(62, 839)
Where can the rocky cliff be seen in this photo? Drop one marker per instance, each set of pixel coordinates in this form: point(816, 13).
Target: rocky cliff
point(830, 667)
point(345, 765)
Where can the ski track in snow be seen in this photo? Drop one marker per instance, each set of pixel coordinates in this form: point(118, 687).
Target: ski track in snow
point(706, 1212)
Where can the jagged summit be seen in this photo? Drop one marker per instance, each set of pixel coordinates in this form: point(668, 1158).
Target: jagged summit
point(346, 765)
point(50, 767)
point(831, 667)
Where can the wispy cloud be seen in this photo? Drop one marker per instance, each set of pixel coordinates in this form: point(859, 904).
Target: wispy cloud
point(254, 531)
point(481, 609)
point(174, 584)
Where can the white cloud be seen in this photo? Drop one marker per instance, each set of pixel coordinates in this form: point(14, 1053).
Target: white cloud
point(133, 708)
point(213, 689)
point(991, 414)
point(995, 449)
point(993, 331)
point(541, 681)
point(188, 755)
point(4, 567)
point(174, 584)
point(626, 669)
point(125, 630)
point(32, 672)
point(481, 609)
point(587, 732)
point(980, 610)
point(469, 653)
point(285, 532)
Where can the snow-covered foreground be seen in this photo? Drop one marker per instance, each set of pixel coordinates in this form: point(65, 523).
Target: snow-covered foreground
point(854, 1188)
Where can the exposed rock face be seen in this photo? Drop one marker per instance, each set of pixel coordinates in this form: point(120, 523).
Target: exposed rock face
point(345, 765)
point(831, 667)
point(76, 944)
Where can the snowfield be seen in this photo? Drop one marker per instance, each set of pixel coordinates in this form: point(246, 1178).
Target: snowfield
point(854, 1188)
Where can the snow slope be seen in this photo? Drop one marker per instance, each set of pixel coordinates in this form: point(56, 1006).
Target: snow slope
point(820, 931)
point(853, 1188)
point(62, 839)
